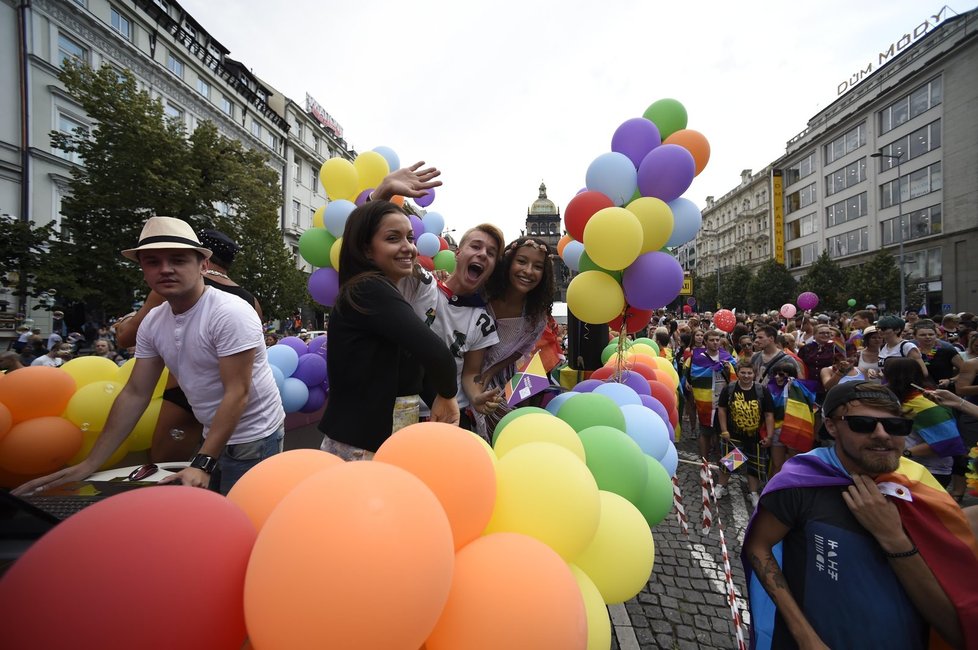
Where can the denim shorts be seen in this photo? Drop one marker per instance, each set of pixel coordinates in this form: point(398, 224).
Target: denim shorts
point(238, 459)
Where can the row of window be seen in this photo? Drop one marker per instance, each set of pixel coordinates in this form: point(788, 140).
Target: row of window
point(909, 186)
point(846, 177)
point(297, 168)
point(920, 100)
point(845, 144)
point(535, 228)
point(923, 140)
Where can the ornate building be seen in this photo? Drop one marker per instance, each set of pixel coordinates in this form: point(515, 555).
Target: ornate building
point(543, 221)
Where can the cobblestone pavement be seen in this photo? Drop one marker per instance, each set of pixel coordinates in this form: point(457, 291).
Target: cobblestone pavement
point(684, 606)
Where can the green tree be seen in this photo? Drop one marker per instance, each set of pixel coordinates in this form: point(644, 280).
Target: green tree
point(705, 291)
point(826, 279)
point(733, 288)
point(772, 286)
point(23, 251)
point(878, 282)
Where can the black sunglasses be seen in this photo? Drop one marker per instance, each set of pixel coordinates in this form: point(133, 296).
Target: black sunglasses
point(867, 424)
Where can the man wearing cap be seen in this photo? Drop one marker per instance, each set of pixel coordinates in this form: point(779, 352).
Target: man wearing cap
point(855, 546)
point(212, 342)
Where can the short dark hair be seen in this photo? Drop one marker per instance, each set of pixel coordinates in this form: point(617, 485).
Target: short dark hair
point(864, 314)
point(924, 324)
point(768, 330)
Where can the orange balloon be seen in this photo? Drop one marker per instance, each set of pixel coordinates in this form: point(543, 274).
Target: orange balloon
point(452, 463)
point(356, 533)
point(664, 377)
point(695, 143)
point(647, 359)
point(262, 487)
point(6, 420)
point(562, 242)
point(12, 480)
point(535, 599)
point(605, 372)
point(36, 391)
point(40, 445)
point(397, 199)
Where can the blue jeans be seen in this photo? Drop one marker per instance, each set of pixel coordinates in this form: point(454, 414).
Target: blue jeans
point(238, 459)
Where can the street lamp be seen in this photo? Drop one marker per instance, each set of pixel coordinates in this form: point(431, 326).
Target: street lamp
point(898, 157)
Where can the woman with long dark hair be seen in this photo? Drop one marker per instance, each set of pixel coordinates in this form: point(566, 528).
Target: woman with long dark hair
point(377, 344)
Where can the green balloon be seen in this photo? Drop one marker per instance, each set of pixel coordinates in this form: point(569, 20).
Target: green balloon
point(444, 261)
point(669, 116)
point(609, 350)
point(851, 302)
point(314, 246)
point(616, 461)
point(649, 342)
point(512, 415)
point(655, 502)
point(587, 264)
point(589, 410)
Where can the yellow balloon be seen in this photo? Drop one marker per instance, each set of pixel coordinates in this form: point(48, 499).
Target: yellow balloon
point(334, 253)
point(142, 434)
point(488, 447)
point(86, 370)
point(598, 622)
point(89, 440)
point(621, 554)
point(339, 179)
point(613, 238)
point(126, 370)
point(89, 407)
point(539, 427)
point(595, 297)
point(642, 348)
point(546, 492)
point(317, 217)
point(371, 168)
point(656, 220)
point(663, 364)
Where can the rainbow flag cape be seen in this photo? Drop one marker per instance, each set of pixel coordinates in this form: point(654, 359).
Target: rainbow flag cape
point(936, 425)
point(798, 426)
point(700, 369)
point(933, 521)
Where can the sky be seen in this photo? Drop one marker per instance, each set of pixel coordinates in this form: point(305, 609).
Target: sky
point(503, 95)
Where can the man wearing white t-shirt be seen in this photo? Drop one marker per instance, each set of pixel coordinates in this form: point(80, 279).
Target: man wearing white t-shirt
point(213, 343)
point(891, 327)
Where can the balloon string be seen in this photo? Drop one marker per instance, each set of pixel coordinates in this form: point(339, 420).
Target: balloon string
point(623, 344)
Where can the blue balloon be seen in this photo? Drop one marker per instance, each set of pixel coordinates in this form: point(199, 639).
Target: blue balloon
point(294, 393)
point(671, 459)
point(554, 405)
point(428, 244)
point(614, 175)
point(278, 375)
point(393, 162)
point(572, 255)
point(433, 223)
point(620, 393)
point(687, 221)
point(335, 215)
point(645, 427)
point(284, 358)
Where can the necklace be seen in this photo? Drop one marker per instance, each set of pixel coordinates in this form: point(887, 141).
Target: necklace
point(217, 273)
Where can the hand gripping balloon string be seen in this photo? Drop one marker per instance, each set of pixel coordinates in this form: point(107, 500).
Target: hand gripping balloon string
point(731, 589)
point(706, 480)
point(677, 501)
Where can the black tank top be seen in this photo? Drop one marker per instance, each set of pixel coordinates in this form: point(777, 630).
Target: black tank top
point(240, 292)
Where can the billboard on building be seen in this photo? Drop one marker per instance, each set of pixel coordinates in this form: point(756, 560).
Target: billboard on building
point(777, 200)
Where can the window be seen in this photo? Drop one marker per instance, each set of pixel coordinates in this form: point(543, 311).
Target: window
point(203, 88)
point(802, 256)
point(298, 131)
point(314, 178)
point(923, 264)
point(848, 176)
point(296, 211)
point(910, 186)
point(921, 141)
point(806, 225)
point(272, 141)
point(804, 167)
point(800, 199)
point(910, 106)
point(227, 106)
point(848, 243)
point(845, 144)
point(173, 112)
point(256, 128)
point(69, 49)
point(296, 168)
point(121, 24)
point(69, 124)
point(315, 143)
point(174, 64)
point(916, 224)
point(843, 211)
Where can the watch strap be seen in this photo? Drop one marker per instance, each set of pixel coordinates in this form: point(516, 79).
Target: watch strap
point(204, 463)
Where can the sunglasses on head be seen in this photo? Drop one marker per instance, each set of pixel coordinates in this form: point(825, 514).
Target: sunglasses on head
point(867, 424)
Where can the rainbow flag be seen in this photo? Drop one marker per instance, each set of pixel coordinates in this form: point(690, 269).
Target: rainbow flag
point(527, 382)
point(935, 424)
point(798, 426)
point(700, 369)
point(933, 521)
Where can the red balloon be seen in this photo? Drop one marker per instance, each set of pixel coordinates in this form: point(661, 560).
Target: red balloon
point(724, 320)
point(442, 244)
point(602, 373)
point(642, 369)
point(687, 309)
point(665, 394)
point(581, 208)
point(635, 320)
point(426, 262)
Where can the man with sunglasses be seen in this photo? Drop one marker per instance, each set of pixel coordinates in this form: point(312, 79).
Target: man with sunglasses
point(855, 546)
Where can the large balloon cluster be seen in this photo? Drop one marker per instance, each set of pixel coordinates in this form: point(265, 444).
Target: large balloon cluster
point(349, 184)
point(453, 543)
point(621, 224)
point(50, 417)
point(299, 369)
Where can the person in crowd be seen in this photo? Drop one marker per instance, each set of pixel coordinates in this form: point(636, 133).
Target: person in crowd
point(225, 250)
point(971, 350)
point(58, 327)
point(794, 430)
point(104, 348)
point(843, 369)
point(767, 353)
point(34, 349)
point(59, 354)
point(746, 417)
point(521, 294)
point(689, 404)
point(744, 348)
point(868, 360)
point(835, 530)
point(935, 439)
point(10, 361)
point(940, 357)
point(663, 338)
point(225, 372)
point(709, 371)
point(948, 330)
point(23, 336)
point(372, 326)
point(860, 321)
point(891, 327)
point(820, 353)
point(806, 331)
point(271, 338)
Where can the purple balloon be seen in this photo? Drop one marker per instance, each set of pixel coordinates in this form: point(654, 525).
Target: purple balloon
point(672, 430)
point(657, 406)
point(324, 286)
point(316, 401)
point(636, 138)
point(296, 344)
point(363, 196)
point(318, 346)
point(417, 225)
point(426, 199)
point(311, 369)
point(666, 172)
point(652, 281)
point(636, 382)
point(808, 300)
point(325, 384)
point(587, 385)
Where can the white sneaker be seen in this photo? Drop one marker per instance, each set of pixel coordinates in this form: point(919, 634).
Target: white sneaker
point(755, 498)
point(721, 491)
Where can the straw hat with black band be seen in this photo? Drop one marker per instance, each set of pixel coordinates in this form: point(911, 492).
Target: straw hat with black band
point(166, 233)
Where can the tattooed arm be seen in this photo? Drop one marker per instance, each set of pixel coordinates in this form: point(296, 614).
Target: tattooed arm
point(765, 533)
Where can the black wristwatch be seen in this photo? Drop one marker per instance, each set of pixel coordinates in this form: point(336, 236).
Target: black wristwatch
point(204, 462)
point(907, 454)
